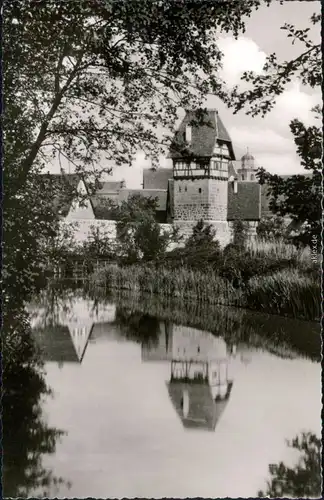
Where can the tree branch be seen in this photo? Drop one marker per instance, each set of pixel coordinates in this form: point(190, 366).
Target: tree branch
point(28, 162)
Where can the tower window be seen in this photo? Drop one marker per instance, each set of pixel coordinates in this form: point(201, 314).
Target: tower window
point(252, 177)
point(243, 177)
point(179, 189)
point(199, 190)
point(186, 188)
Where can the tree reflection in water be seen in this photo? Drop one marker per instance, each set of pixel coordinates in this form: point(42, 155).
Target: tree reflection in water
point(138, 327)
point(301, 481)
point(26, 436)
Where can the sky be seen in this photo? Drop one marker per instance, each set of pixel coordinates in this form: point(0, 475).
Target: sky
point(269, 139)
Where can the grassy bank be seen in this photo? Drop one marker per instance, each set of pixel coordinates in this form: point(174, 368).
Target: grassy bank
point(271, 277)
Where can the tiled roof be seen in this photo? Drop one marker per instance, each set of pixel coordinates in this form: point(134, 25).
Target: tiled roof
point(58, 180)
point(160, 194)
point(56, 344)
point(203, 136)
point(246, 203)
point(103, 205)
point(109, 187)
point(157, 179)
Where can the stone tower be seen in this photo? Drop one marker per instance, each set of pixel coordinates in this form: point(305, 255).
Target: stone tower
point(201, 152)
point(248, 169)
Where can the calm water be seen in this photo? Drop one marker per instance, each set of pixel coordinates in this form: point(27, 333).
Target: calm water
point(167, 400)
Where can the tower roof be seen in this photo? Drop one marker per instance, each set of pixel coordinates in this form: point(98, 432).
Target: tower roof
point(206, 127)
point(247, 156)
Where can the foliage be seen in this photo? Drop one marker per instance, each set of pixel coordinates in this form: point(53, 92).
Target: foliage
point(270, 276)
point(285, 292)
point(89, 81)
point(271, 83)
point(203, 235)
point(240, 235)
point(259, 285)
point(299, 196)
point(263, 258)
point(98, 244)
point(199, 258)
point(185, 283)
point(61, 245)
point(280, 249)
point(239, 265)
point(82, 82)
point(271, 228)
point(200, 249)
point(139, 235)
point(29, 225)
point(304, 479)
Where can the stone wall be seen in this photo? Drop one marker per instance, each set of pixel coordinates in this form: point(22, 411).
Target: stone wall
point(223, 231)
point(200, 199)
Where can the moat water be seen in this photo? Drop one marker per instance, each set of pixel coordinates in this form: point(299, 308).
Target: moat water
point(167, 400)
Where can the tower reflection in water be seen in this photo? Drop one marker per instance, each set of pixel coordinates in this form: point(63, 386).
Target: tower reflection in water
point(200, 381)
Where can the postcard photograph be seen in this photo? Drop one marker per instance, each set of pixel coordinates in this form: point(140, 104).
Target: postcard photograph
point(162, 249)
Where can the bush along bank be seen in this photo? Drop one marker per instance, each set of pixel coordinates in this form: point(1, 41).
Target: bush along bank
point(286, 292)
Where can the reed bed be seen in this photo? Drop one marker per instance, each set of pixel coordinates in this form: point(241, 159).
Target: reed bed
point(182, 283)
point(286, 292)
point(279, 250)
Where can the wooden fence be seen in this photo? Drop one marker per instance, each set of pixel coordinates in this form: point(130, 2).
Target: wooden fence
point(78, 270)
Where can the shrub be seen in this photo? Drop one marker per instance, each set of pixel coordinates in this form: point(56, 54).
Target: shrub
point(239, 265)
point(271, 227)
point(286, 292)
point(240, 233)
point(203, 236)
